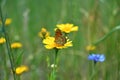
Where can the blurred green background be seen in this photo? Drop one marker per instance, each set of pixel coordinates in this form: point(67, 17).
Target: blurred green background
point(95, 18)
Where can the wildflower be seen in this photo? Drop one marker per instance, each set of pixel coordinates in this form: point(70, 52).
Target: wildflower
point(67, 28)
point(90, 47)
point(7, 22)
point(53, 66)
point(50, 43)
point(19, 70)
point(16, 45)
point(2, 40)
point(43, 33)
point(96, 57)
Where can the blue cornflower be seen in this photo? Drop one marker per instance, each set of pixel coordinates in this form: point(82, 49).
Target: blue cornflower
point(96, 57)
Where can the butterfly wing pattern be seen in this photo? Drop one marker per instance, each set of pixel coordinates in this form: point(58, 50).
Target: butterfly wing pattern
point(60, 39)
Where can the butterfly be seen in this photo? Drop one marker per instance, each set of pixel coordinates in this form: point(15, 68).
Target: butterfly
point(60, 39)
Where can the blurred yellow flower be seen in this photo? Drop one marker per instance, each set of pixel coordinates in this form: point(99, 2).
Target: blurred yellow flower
point(50, 43)
point(7, 22)
point(19, 70)
point(2, 40)
point(90, 47)
point(43, 33)
point(67, 28)
point(16, 45)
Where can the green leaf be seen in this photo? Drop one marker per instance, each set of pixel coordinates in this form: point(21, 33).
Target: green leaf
point(19, 58)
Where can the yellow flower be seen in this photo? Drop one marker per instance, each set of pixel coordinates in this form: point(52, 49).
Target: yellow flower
point(43, 33)
point(7, 22)
point(19, 70)
point(2, 40)
point(90, 47)
point(16, 45)
point(67, 28)
point(50, 43)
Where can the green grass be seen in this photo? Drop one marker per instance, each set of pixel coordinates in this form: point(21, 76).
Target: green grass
point(95, 19)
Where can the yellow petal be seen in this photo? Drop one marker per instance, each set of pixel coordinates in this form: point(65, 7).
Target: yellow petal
point(16, 45)
point(49, 40)
point(90, 47)
point(74, 28)
point(2, 40)
point(67, 28)
point(49, 46)
point(19, 70)
point(8, 21)
point(68, 44)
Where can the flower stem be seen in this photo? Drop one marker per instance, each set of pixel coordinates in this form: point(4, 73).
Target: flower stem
point(92, 77)
point(56, 54)
point(53, 73)
point(104, 37)
point(7, 44)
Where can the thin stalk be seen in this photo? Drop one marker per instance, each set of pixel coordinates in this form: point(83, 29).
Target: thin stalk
point(56, 54)
point(92, 77)
point(108, 34)
point(53, 73)
point(55, 63)
point(7, 45)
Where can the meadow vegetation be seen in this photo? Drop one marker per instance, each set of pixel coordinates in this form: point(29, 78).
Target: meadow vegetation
point(60, 40)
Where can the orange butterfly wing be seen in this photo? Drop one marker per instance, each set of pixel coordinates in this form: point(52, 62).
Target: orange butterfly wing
point(59, 38)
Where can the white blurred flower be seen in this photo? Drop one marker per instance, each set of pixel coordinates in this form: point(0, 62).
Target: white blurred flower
point(53, 65)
